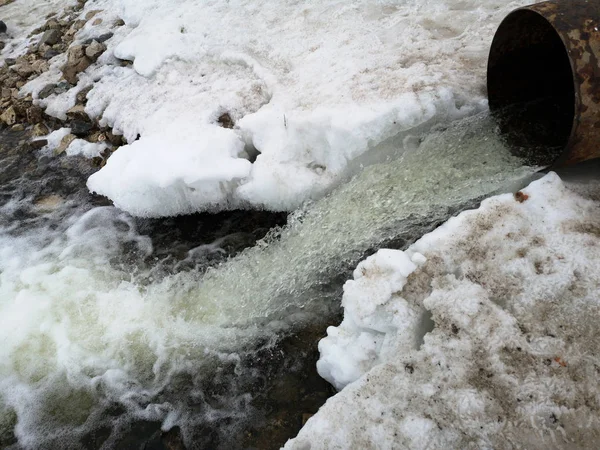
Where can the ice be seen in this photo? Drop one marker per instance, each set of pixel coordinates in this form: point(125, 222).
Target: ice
point(138, 180)
point(312, 89)
point(506, 353)
point(370, 301)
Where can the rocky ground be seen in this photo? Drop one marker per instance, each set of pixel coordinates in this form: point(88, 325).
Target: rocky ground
point(22, 113)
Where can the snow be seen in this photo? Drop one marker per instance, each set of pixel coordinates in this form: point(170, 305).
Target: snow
point(76, 147)
point(312, 88)
point(21, 18)
point(479, 335)
point(85, 148)
point(55, 138)
point(353, 348)
point(151, 177)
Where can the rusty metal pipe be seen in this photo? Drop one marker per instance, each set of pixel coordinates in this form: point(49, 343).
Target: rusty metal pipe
point(544, 79)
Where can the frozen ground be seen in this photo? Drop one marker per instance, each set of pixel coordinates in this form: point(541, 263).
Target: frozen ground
point(312, 87)
point(482, 334)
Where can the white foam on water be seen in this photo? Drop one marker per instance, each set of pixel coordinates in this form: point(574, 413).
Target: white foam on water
point(80, 329)
point(84, 325)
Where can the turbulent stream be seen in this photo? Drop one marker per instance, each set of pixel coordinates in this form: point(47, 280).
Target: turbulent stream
point(114, 328)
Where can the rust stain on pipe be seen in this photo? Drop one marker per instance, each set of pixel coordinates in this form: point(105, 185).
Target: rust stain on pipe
point(550, 53)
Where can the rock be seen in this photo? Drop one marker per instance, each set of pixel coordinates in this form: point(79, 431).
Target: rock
point(92, 13)
point(77, 112)
point(115, 139)
point(81, 128)
point(43, 48)
point(11, 81)
point(10, 61)
point(47, 91)
point(39, 129)
point(98, 136)
point(75, 54)
point(76, 62)
point(49, 203)
point(51, 37)
point(9, 116)
point(64, 143)
point(51, 53)
point(105, 37)
point(6, 93)
point(52, 24)
point(102, 38)
point(2, 44)
point(96, 22)
point(34, 114)
point(40, 66)
point(94, 50)
point(225, 120)
point(118, 23)
point(60, 47)
point(62, 87)
point(2, 27)
point(17, 127)
point(75, 27)
point(38, 143)
point(81, 97)
point(23, 69)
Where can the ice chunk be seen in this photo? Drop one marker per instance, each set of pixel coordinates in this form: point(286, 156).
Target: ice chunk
point(172, 172)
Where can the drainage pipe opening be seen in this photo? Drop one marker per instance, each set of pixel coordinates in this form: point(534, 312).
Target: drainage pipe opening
point(542, 87)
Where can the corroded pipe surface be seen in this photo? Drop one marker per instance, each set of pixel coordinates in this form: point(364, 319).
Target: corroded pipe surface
point(544, 79)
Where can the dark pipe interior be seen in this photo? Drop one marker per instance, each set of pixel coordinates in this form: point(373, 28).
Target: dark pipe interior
point(531, 88)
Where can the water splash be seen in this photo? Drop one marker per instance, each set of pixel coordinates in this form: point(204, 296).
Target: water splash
point(93, 342)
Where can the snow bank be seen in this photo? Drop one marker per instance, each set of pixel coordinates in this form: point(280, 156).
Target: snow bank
point(310, 87)
point(483, 334)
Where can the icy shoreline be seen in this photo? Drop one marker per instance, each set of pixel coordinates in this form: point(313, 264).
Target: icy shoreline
point(482, 334)
point(312, 89)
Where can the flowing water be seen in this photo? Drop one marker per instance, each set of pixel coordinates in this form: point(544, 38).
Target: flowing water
point(113, 328)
